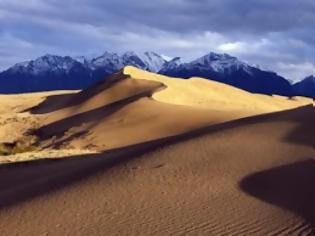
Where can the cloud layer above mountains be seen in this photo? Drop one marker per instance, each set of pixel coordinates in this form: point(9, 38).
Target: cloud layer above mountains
point(277, 35)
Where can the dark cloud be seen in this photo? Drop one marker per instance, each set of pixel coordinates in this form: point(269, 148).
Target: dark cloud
point(276, 34)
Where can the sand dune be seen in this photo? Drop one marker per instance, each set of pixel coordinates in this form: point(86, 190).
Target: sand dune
point(121, 113)
point(13, 121)
point(199, 92)
point(128, 101)
point(146, 109)
point(153, 155)
point(200, 186)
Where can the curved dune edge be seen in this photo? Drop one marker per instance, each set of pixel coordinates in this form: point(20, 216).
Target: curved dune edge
point(199, 92)
point(193, 187)
point(130, 107)
point(121, 115)
point(142, 161)
point(128, 110)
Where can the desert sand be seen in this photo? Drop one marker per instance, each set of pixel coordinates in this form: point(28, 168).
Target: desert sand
point(144, 154)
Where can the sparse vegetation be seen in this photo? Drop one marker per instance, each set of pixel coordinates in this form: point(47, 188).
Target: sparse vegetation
point(25, 144)
point(4, 151)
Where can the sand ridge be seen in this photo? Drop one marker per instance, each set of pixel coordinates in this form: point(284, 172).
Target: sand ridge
point(199, 92)
point(100, 117)
point(144, 154)
point(146, 106)
point(195, 187)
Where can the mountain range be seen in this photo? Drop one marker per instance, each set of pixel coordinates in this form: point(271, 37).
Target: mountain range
point(51, 72)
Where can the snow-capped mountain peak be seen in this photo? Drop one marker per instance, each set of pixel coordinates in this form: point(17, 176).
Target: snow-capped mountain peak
point(52, 63)
point(148, 60)
point(108, 59)
point(167, 58)
point(86, 59)
point(176, 61)
point(222, 63)
point(108, 62)
point(154, 61)
point(133, 59)
point(44, 64)
point(172, 64)
point(20, 66)
point(56, 72)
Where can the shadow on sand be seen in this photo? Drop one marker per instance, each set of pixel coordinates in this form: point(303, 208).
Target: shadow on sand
point(22, 181)
point(56, 102)
point(290, 187)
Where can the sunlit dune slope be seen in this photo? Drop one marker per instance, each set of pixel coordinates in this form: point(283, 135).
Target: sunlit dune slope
point(121, 113)
point(168, 157)
point(133, 106)
point(247, 177)
point(14, 121)
point(210, 94)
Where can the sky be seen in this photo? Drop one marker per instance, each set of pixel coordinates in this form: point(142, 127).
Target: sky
point(277, 35)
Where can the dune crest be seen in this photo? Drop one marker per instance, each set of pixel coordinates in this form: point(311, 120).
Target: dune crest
point(214, 95)
point(146, 107)
point(130, 107)
point(205, 185)
point(144, 154)
point(121, 113)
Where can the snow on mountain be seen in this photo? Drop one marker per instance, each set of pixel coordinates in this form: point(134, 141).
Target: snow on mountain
point(167, 58)
point(154, 61)
point(148, 61)
point(216, 63)
point(51, 72)
point(221, 63)
point(228, 69)
point(46, 63)
point(107, 61)
point(171, 65)
point(86, 59)
point(112, 61)
point(133, 59)
point(21, 66)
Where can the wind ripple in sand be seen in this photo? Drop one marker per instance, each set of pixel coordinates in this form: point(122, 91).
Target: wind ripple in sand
point(213, 182)
point(187, 188)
